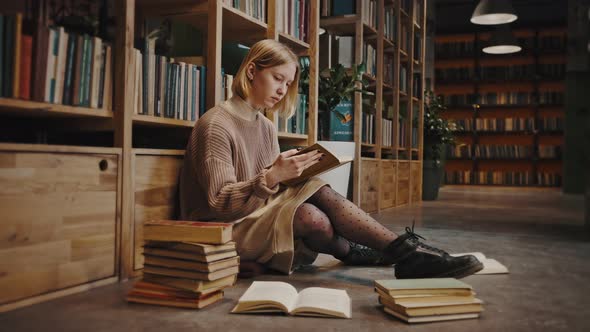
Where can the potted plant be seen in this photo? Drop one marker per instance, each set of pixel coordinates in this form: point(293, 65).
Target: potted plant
point(337, 85)
point(438, 134)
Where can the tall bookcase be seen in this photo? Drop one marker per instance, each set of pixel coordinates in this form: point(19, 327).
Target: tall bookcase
point(133, 159)
point(387, 171)
point(510, 107)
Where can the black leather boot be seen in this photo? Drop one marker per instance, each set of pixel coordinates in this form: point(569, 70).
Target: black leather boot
point(360, 255)
point(414, 259)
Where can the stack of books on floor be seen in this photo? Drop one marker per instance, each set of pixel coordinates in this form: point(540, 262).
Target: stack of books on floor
point(186, 264)
point(428, 300)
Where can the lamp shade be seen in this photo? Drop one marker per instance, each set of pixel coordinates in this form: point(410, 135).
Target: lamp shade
point(490, 12)
point(502, 41)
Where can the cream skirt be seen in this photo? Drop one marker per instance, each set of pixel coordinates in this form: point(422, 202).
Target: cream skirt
point(266, 235)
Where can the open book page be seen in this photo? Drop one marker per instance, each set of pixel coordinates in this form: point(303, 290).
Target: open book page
point(328, 162)
point(267, 296)
point(490, 265)
point(317, 301)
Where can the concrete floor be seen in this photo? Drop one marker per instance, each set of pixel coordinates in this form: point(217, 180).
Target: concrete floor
point(535, 233)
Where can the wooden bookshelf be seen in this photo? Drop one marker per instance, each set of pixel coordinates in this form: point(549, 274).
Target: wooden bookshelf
point(129, 173)
point(379, 163)
point(525, 88)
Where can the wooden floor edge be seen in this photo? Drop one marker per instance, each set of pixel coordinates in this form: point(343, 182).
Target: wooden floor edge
point(57, 294)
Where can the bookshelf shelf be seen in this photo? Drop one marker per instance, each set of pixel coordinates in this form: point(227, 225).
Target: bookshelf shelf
point(340, 25)
point(291, 136)
point(153, 121)
point(20, 107)
point(388, 45)
point(297, 45)
point(370, 32)
point(241, 27)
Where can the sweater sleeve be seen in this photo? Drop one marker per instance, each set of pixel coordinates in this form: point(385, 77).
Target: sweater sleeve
point(226, 197)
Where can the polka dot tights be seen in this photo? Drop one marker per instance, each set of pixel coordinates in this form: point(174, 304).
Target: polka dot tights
point(327, 220)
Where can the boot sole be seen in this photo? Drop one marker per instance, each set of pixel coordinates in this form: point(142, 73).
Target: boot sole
point(462, 272)
point(458, 273)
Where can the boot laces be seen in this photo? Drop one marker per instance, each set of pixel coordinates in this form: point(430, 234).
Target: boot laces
point(416, 238)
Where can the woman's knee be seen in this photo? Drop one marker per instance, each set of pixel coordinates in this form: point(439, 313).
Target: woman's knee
point(309, 220)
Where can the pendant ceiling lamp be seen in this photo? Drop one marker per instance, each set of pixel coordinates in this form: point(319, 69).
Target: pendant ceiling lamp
point(491, 12)
point(502, 41)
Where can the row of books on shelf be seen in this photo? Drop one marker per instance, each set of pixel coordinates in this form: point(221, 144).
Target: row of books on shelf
point(293, 18)
point(170, 87)
point(495, 73)
point(497, 124)
point(337, 7)
point(550, 124)
point(296, 123)
point(387, 132)
point(403, 135)
point(549, 43)
point(370, 59)
point(336, 50)
point(53, 65)
point(507, 178)
point(405, 38)
point(490, 151)
point(254, 8)
point(390, 29)
point(369, 13)
point(388, 69)
point(367, 130)
point(486, 151)
point(505, 98)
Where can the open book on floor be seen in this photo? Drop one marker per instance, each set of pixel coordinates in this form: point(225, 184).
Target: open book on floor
point(490, 265)
point(329, 161)
point(276, 296)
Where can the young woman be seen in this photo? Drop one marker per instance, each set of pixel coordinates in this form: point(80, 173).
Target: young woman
point(233, 167)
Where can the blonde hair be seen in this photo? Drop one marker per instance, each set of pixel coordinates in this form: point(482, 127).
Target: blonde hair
point(269, 53)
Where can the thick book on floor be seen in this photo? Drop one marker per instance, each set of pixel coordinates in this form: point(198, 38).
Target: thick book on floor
point(432, 286)
point(190, 274)
point(329, 161)
point(208, 258)
point(490, 265)
point(191, 284)
point(191, 265)
point(144, 287)
point(433, 318)
point(192, 247)
point(430, 309)
point(276, 296)
point(409, 299)
point(187, 231)
point(195, 303)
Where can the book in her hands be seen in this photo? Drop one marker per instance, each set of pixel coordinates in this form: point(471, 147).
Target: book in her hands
point(187, 231)
point(490, 265)
point(276, 296)
point(329, 161)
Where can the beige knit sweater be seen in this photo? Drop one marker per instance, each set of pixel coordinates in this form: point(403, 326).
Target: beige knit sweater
point(223, 176)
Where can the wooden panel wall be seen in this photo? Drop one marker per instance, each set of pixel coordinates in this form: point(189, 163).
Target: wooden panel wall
point(58, 221)
point(416, 175)
point(403, 185)
point(389, 183)
point(370, 185)
point(156, 183)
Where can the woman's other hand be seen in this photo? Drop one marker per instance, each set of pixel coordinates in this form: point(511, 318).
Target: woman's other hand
point(289, 165)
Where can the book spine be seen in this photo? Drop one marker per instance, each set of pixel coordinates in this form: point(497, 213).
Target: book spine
point(18, 24)
point(25, 68)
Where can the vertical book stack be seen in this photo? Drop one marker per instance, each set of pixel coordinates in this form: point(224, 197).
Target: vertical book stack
point(187, 264)
point(428, 300)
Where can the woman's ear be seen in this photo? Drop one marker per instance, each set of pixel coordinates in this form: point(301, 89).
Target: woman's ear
point(250, 69)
